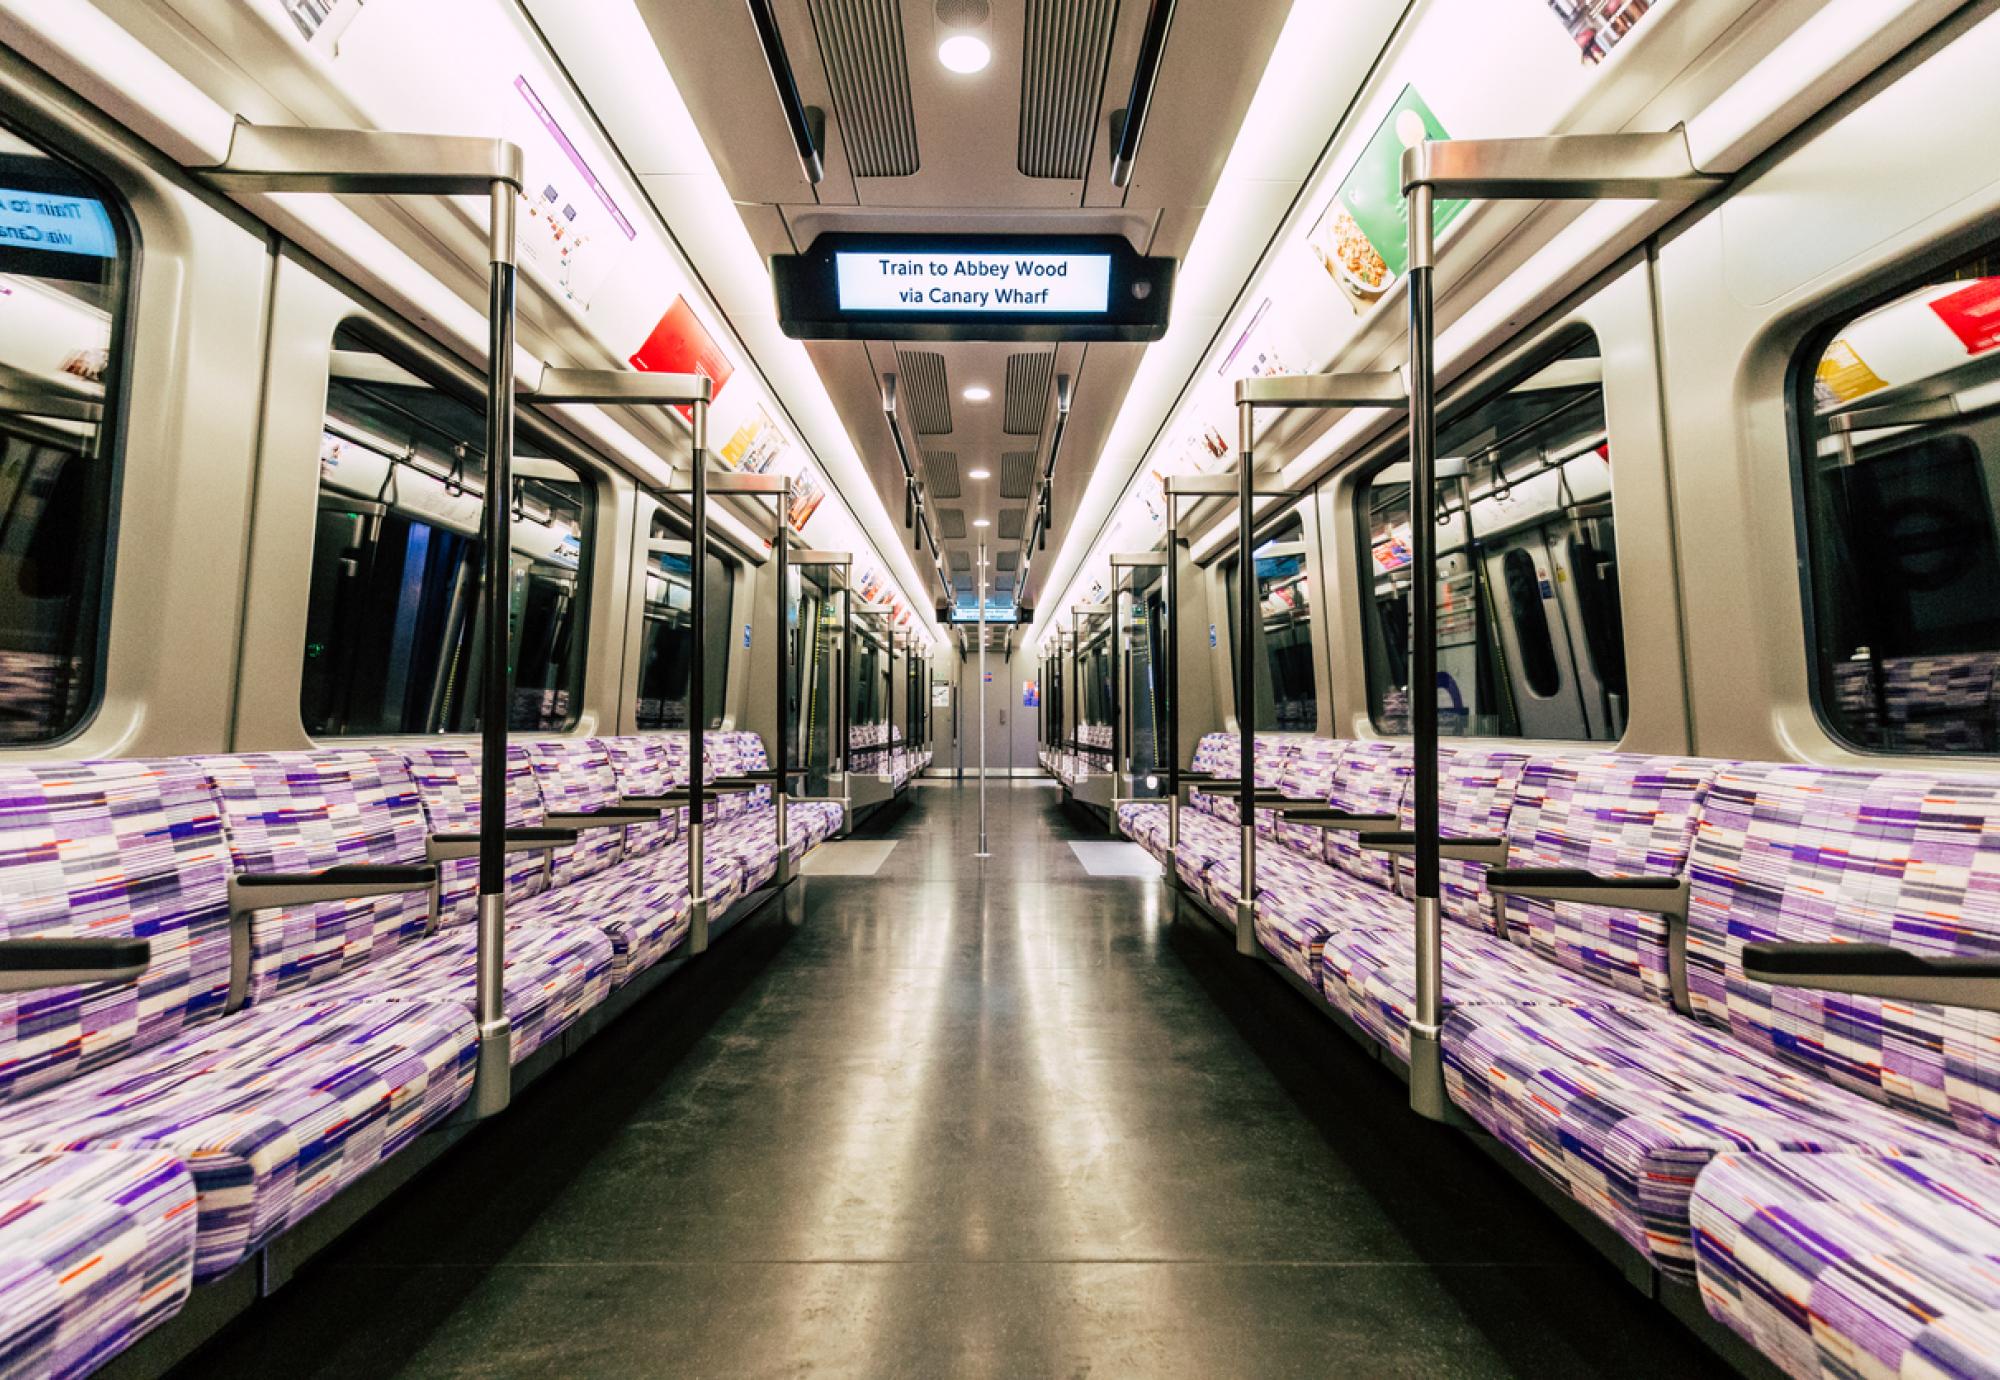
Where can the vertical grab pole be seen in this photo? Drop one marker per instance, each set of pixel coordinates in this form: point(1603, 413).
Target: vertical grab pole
point(697, 682)
point(783, 504)
point(982, 701)
point(1427, 1090)
point(1246, 677)
point(1173, 612)
point(493, 1077)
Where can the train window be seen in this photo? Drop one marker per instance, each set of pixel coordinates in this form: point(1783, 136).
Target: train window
point(65, 262)
point(1530, 634)
point(666, 654)
point(1900, 468)
point(393, 615)
point(1287, 695)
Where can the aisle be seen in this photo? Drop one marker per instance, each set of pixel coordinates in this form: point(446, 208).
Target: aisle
point(1001, 1118)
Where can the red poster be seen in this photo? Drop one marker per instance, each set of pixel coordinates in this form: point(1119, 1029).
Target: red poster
point(1973, 313)
point(679, 345)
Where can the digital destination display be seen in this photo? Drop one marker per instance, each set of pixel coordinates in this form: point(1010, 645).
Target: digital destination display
point(854, 286)
point(56, 223)
point(887, 280)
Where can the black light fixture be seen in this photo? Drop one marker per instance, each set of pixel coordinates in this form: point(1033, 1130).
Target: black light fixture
point(806, 124)
point(1129, 125)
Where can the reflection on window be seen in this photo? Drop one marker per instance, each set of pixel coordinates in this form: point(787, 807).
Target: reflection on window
point(1287, 699)
point(1530, 634)
point(394, 614)
point(666, 653)
point(63, 264)
point(1901, 455)
point(1146, 659)
point(816, 606)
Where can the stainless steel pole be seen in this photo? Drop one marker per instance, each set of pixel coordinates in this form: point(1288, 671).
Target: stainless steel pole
point(494, 1074)
point(1246, 678)
point(698, 682)
point(982, 701)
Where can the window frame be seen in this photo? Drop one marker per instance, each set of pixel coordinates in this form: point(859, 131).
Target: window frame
point(114, 428)
point(1831, 317)
point(591, 480)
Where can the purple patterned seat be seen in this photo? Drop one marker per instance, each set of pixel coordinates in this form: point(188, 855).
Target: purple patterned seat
point(447, 780)
point(1844, 1265)
point(1308, 774)
point(576, 777)
point(1145, 823)
point(1476, 789)
point(645, 768)
point(302, 811)
point(1625, 1106)
point(96, 1250)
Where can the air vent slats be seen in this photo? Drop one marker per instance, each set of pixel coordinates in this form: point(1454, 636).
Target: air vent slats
point(1010, 523)
point(861, 43)
point(941, 473)
point(1007, 560)
point(1017, 473)
point(951, 523)
point(1067, 44)
point(1028, 391)
point(961, 560)
point(923, 393)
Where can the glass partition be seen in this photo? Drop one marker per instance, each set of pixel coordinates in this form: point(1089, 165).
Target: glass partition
point(1143, 683)
point(393, 614)
point(666, 649)
point(1094, 705)
point(1530, 633)
point(816, 613)
point(1287, 696)
point(869, 690)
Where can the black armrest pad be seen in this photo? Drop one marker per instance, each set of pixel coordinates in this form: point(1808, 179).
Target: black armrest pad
point(386, 874)
point(608, 815)
point(539, 833)
point(759, 777)
point(1554, 878)
point(63, 953)
point(1390, 838)
point(1333, 816)
point(1859, 960)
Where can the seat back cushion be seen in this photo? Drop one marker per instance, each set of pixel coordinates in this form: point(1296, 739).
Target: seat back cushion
point(304, 811)
point(643, 768)
point(447, 777)
point(1475, 797)
point(1619, 814)
point(576, 777)
point(110, 850)
point(1370, 780)
point(1306, 775)
point(1815, 854)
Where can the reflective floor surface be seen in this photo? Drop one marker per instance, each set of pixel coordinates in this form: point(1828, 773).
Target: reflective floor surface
point(964, 1117)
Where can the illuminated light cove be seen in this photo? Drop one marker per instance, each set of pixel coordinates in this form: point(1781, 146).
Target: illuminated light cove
point(1000, 284)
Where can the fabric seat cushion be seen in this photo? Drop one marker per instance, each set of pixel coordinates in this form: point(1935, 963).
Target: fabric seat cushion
point(1145, 823)
point(274, 1111)
point(1622, 1106)
point(553, 975)
point(1855, 1264)
point(1370, 973)
point(641, 906)
point(447, 779)
point(96, 1250)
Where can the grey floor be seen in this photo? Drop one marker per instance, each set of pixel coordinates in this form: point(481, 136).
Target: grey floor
point(964, 1117)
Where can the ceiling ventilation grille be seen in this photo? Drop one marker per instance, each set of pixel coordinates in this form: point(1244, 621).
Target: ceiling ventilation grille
point(926, 399)
point(1007, 560)
point(961, 560)
point(1067, 44)
point(1010, 523)
point(941, 473)
point(951, 523)
point(861, 43)
point(1028, 391)
point(1017, 473)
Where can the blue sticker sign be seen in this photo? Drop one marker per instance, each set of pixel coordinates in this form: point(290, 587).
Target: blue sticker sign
point(1211, 634)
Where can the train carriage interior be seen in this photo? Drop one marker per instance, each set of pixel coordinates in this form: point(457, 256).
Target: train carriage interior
point(1161, 688)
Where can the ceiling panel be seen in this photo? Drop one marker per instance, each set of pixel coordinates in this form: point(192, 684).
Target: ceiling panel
point(941, 473)
point(923, 393)
point(1012, 523)
point(1028, 377)
point(951, 523)
point(1065, 46)
point(868, 71)
point(1017, 473)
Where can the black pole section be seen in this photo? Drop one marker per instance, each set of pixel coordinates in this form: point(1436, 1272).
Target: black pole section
point(1173, 614)
point(698, 680)
point(1145, 76)
point(1246, 673)
point(797, 123)
point(783, 746)
point(1113, 652)
point(846, 681)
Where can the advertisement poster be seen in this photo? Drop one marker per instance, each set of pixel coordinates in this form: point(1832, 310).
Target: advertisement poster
point(1362, 239)
point(754, 445)
point(1031, 695)
point(1973, 314)
point(1598, 26)
point(1842, 376)
point(571, 232)
point(807, 494)
point(321, 22)
point(679, 344)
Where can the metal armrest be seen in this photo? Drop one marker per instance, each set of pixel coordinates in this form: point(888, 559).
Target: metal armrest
point(447, 847)
point(760, 776)
point(1404, 841)
point(607, 817)
point(1878, 970)
point(254, 891)
point(28, 965)
point(1664, 896)
point(1344, 821)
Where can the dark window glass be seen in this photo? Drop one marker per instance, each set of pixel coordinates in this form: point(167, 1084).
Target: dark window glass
point(1901, 450)
point(1531, 640)
point(666, 655)
point(1287, 697)
point(393, 614)
point(64, 264)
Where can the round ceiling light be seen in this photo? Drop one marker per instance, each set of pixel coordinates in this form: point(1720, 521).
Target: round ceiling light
point(981, 522)
point(964, 53)
point(979, 392)
point(979, 474)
